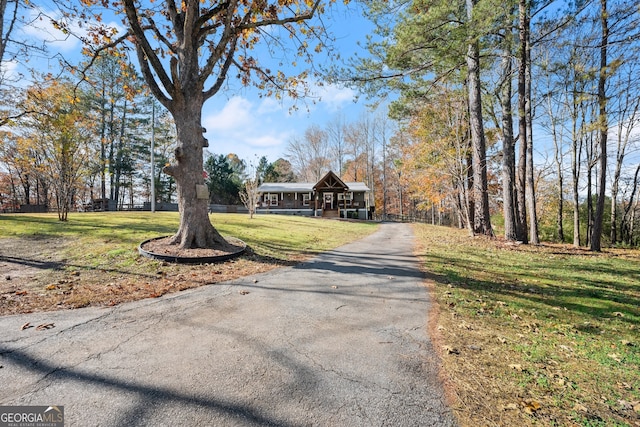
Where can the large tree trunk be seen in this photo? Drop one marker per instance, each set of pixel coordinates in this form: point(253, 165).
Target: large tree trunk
point(596, 235)
point(531, 189)
point(508, 152)
point(469, 205)
point(482, 223)
point(196, 230)
point(521, 183)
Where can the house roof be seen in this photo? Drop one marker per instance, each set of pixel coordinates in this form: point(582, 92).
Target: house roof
point(286, 187)
point(330, 180)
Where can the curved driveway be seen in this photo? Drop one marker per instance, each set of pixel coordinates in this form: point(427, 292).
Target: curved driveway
point(339, 340)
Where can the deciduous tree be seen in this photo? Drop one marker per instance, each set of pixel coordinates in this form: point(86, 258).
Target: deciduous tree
point(186, 51)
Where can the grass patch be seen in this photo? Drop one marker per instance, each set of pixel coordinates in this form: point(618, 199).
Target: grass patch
point(536, 335)
point(92, 258)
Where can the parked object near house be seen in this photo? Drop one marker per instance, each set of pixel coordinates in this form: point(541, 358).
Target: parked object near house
point(330, 198)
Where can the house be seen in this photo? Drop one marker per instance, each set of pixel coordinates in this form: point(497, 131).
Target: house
point(329, 197)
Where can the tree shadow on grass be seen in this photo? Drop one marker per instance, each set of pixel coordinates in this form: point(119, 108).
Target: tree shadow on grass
point(33, 263)
point(588, 295)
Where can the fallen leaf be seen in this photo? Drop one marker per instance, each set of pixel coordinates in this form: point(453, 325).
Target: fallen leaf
point(26, 326)
point(244, 292)
point(618, 314)
point(502, 340)
point(465, 325)
point(509, 407)
point(627, 343)
point(516, 317)
point(51, 287)
point(21, 292)
point(579, 407)
point(615, 356)
point(451, 350)
point(530, 406)
point(516, 366)
point(44, 326)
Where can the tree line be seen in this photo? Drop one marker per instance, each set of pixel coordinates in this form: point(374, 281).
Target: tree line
point(518, 107)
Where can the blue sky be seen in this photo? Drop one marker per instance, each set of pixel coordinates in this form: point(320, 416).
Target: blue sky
point(238, 120)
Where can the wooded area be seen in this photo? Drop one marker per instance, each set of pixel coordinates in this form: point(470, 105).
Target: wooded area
point(569, 147)
point(519, 118)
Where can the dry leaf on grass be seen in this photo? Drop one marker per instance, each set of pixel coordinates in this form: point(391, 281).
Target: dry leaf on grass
point(26, 326)
point(510, 407)
point(615, 356)
point(579, 407)
point(530, 406)
point(451, 350)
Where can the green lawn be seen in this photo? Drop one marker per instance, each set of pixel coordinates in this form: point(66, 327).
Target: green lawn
point(540, 335)
point(93, 259)
point(116, 235)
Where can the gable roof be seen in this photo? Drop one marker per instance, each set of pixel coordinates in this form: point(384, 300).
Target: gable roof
point(330, 180)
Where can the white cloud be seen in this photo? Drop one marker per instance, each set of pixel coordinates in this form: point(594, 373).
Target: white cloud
point(248, 129)
point(9, 70)
point(333, 97)
point(268, 141)
point(236, 114)
point(270, 105)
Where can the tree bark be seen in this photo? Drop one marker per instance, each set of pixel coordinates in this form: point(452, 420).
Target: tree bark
point(521, 183)
point(482, 223)
point(195, 230)
point(531, 188)
point(596, 236)
point(508, 151)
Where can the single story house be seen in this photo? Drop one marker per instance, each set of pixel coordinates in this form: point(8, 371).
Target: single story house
point(329, 197)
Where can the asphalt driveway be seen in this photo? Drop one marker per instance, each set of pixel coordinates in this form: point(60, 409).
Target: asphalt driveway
point(340, 340)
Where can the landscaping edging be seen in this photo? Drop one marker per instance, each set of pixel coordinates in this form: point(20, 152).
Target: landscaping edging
point(207, 259)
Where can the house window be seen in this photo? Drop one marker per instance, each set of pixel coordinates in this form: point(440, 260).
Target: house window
point(273, 199)
point(305, 199)
point(345, 198)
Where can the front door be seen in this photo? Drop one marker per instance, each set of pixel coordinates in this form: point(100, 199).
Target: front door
point(328, 201)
